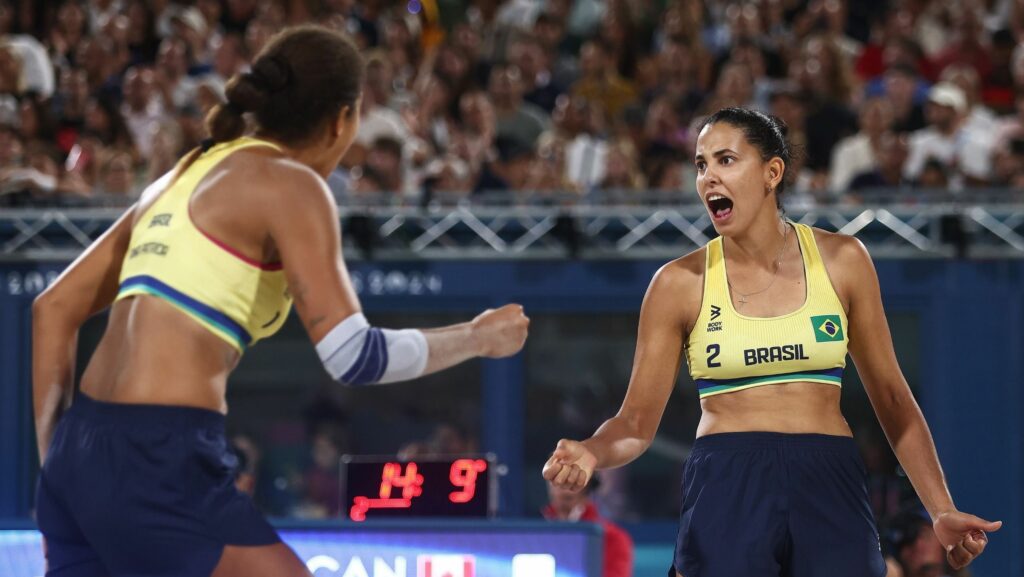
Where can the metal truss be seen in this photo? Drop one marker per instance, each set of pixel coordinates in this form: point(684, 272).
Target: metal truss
point(575, 231)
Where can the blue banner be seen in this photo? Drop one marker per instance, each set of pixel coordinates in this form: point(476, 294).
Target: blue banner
point(402, 550)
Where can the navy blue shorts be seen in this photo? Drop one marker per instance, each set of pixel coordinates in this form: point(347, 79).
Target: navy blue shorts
point(129, 490)
point(776, 504)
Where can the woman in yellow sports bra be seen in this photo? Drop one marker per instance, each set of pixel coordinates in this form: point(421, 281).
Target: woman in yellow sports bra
point(136, 476)
point(765, 315)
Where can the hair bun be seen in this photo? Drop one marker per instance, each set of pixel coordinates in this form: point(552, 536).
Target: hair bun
point(271, 73)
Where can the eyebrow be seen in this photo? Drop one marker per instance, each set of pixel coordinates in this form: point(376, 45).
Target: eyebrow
point(717, 154)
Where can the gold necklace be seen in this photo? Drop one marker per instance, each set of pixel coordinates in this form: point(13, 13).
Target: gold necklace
point(778, 263)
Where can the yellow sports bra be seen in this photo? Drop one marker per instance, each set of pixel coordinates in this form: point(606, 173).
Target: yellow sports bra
point(237, 299)
point(729, 352)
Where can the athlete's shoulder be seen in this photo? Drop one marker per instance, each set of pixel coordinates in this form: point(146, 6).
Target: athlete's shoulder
point(677, 288)
point(286, 186)
point(683, 273)
point(841, 249)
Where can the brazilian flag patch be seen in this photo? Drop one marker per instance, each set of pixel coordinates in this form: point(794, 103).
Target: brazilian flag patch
point(827, 328)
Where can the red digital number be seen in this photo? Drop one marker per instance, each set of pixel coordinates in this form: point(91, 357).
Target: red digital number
point(411, 482)
point(391, 477)
point(463, 474)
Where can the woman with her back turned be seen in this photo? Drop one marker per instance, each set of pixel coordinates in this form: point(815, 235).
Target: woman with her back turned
point(137, 478)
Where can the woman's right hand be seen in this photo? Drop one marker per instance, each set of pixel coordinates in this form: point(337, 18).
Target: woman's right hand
point(571, 465)
point(500, 332)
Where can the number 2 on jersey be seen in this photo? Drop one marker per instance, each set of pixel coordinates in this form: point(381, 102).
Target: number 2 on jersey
point(713, 351)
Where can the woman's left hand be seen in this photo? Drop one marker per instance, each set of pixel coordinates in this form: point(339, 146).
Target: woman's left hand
point(963, 536)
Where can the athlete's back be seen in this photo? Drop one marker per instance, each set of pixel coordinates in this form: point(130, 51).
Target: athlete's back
point(147, 336)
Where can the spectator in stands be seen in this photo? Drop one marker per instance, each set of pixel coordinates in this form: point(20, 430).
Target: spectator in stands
point(565, 505)
point(103, 120)
point(447, 438)
point(935, 175)
point(676, 79)
point(790, 105)
point(229, 56)
point(82, 166)
point(827, 81)
point(142, 38)
point(37, 72)
point(189, 25)
point(665, 136)
point(966, 155)
point(901, 87)
point(447, 177)
point(997, 89)
point(321, 480)
point(96, 56)
point(176, 88)
point(143, 109)
point(378, 118)
point(541, 87)
point(891, 155)
point(509, 171)
point(549, 29)
point(101, 12)
point(69, 106)
point(734, 87)
point(577, 133)
point(1011, 126)
point(117, 176)
point(966, 44)
point(37, 179)
point(6, 17)
point(117, 31)
point(685, 23)
point(980, 119)
point(1008, 165)
point(71, 27)
point(35, 119)
point(385, 161)
point(474, 140)
point(622, 170)
point(599, 81)
point(11, 79)
point(257, 34)
point(516, 118)
point(620, 35)
point(860, 153)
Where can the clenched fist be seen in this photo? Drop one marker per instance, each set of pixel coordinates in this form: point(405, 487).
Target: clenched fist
point(570, 466)
point(963, 536)
point(501, 332)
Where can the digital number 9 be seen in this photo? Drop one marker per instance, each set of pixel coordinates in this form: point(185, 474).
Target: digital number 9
point(463, 474)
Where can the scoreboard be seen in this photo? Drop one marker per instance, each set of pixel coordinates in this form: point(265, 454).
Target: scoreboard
point(385, 487)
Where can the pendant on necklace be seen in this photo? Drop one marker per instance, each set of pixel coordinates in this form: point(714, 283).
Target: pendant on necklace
point(742, 300)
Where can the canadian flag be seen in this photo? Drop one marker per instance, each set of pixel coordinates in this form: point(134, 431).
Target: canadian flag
point(445, 566)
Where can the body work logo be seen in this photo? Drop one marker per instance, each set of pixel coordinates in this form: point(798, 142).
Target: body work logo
point(715, 326)
point(827, 328)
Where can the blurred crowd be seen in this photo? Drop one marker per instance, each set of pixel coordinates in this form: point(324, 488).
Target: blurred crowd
point(535, 97)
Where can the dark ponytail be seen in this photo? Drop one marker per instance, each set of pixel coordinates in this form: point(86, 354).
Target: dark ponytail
point(301, 80)
point(765, 132)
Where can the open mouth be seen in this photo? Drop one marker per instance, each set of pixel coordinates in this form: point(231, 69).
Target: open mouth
point(720, 206)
